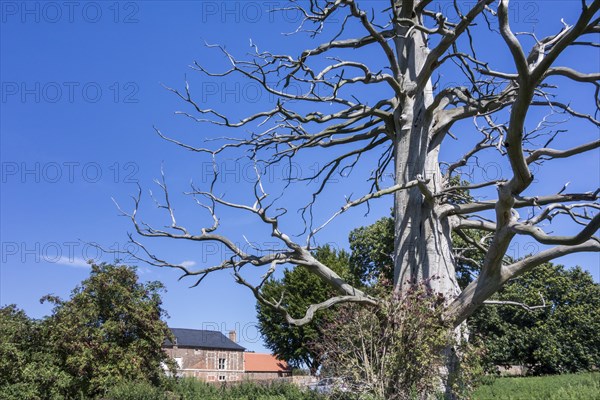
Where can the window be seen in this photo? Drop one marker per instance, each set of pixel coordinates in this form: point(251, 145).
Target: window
point(222, 362)
point(221, 377)
point(179, 362)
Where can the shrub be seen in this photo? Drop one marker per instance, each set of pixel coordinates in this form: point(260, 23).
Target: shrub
point(178, 389)
point(135, 391)
point(397, 350)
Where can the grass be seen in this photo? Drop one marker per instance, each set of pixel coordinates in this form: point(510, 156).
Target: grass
point(557, 387)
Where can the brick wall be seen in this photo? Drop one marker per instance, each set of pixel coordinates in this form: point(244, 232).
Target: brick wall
point(257, 376)
point(205, 365)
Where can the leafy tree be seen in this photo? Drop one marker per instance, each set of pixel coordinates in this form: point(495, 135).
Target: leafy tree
point(28, 370)
point(292, 343)
point(109, 331)
point(15, 330)
point(372, 249)
point(561, 337)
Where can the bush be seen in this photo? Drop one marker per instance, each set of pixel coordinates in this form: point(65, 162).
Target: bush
point(192, 389)
point(135, 391)
point(398, 349)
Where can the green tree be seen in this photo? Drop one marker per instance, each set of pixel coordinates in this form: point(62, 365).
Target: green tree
point(28, 370)
point(109, 331)
point(15, 332)
point(561, 337)
point(302, 288)
point(372, 249)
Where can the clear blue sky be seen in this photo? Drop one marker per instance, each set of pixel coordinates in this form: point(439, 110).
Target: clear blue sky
point(81, 91)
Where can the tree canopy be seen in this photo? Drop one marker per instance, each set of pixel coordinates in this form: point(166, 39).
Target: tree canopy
point(28, 368)
point(558, 338)
point(109, 331)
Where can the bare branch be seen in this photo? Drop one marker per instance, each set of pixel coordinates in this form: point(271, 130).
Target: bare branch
point(483, 287)
point(518, 304)
point(541, 236)
point(520, 202)
point(553, 153)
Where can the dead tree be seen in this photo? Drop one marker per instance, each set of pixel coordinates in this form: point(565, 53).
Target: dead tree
point(399, 51)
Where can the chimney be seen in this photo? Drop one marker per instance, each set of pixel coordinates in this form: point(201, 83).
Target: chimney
point(233, 336)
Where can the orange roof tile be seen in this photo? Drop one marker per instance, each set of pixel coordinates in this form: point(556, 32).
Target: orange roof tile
point(257, 362)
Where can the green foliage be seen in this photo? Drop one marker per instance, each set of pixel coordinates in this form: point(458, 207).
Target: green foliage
point(266, 391)
point(300, 288)
point(394, 350)
point(109, 331)
point(372, 247)
point(135, 391)
point(27, 369)
point(15, 330)
point(556, 387)
point(192, 389)
point(562, 337)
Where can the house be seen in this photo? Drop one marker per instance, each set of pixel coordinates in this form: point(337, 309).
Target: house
point(206, 355)
point(213, 357)
point(264, 366)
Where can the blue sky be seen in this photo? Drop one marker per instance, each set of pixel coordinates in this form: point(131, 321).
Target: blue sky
point(81, 92)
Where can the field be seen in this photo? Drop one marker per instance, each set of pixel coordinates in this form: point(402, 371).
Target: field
point(557, 387)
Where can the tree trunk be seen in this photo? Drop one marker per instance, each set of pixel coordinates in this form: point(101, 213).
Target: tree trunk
point(423, 246)
point(422, 249)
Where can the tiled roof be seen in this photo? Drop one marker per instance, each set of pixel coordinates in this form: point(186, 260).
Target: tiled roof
point(256, 362)
point(203, 339)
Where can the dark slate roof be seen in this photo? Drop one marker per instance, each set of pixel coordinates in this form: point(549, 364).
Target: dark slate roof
point(198, 338)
